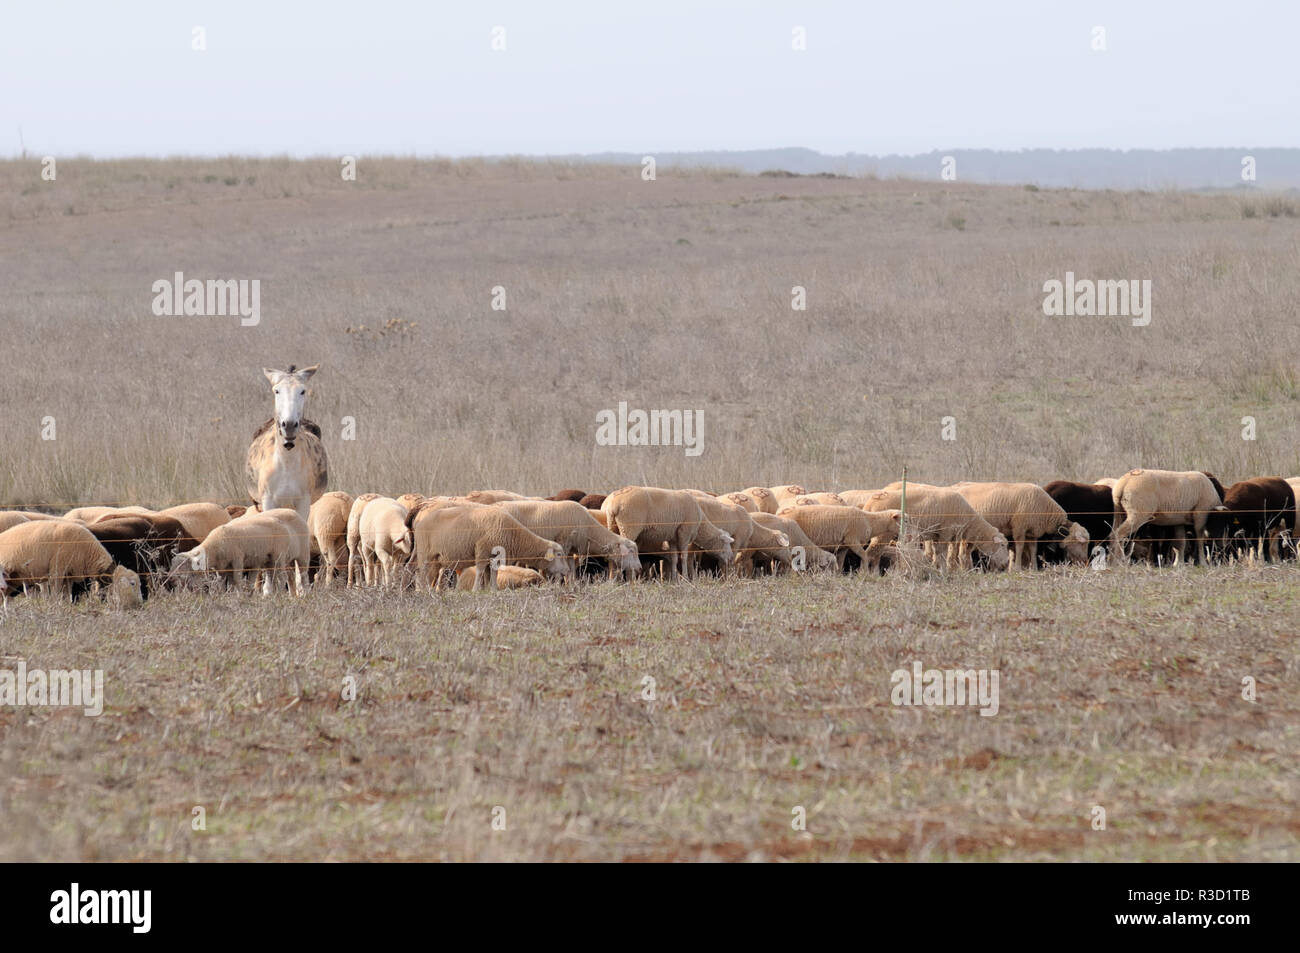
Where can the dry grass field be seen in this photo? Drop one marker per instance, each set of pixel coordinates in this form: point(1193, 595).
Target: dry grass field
point(1119, 689)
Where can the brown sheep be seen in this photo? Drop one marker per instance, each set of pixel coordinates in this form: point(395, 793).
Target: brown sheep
point(573, 496)
point(593, 501)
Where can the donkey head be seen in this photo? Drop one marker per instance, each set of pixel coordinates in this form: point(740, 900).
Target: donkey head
point(290, 390)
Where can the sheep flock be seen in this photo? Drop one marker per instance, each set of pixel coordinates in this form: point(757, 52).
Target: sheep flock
point(495, 539)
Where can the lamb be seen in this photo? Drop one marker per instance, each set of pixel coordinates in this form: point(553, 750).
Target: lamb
point(328, 524)
point(255, 541)
point(844, 529)
point(813, 556)
point(143, 544)
point(1166, 498)
point(199, 519)
point(942, 516)
point(1024, 513)
point(62, 556)
point(573, 526)
point(384, 536)
point(664, 523)
point(508, 577)
point(354, 532)
point(453, 537)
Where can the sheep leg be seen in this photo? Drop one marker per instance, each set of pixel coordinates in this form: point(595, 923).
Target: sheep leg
point(1131, 524)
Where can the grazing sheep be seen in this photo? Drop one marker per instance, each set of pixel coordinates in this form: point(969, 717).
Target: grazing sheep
point(942, 516)
point(453, 537)
point(784, 495)
point(574, 496)
point(328, 524)
point(573, 526)
point(762, 498)
point(354, 533)
point(1024, 513)
point(593, 501)
point(748, 538)
point(814, 557)
point(199, 519)
point(62, 556)
point(1166, 498)
point(491, 496)
point(844, 529)
point(88, 514)
point(384, 537)
point(663, 524)
point(508, 577)
point(1088, 504)
point(11, 518)
point(1258, 513)
point(256, 542)
point(143, 544)
point(742, 499)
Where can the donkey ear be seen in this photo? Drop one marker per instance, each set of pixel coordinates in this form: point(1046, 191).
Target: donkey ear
point(272, 375)
point(307, 372)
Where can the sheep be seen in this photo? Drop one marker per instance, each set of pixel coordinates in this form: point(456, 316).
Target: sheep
point(1259, 511)
point(814, 557)
point(593, 501)
point(858, 497)
point(452, 537)
point(508, 577)
point(748, 538)
point(199, 519)
point(299, 556)
point(1088, 504)
point(574, 496)
point(354, 532)
point(1024, 513)
point(491, 496)
point(826, 499)
point(328, 524)
point(10, 518)
point(784, 495)
point(1166, 498)
point(62, 556)
point(255, 541)
point(742, 499)
point(762, 498)
point(384, 537)
point(411, 500)
point(573, 526)
point(143, 544)
point(664, 523)
point(844, 529)
point(942, 516)
point(88, 514)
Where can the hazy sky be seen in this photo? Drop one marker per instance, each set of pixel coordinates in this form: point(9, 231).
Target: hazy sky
point(332, 78)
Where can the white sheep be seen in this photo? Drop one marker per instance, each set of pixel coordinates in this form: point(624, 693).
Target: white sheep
point(384, 537)
point(62, 556)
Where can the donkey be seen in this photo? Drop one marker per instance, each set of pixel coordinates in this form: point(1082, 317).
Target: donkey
point(287, 465)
